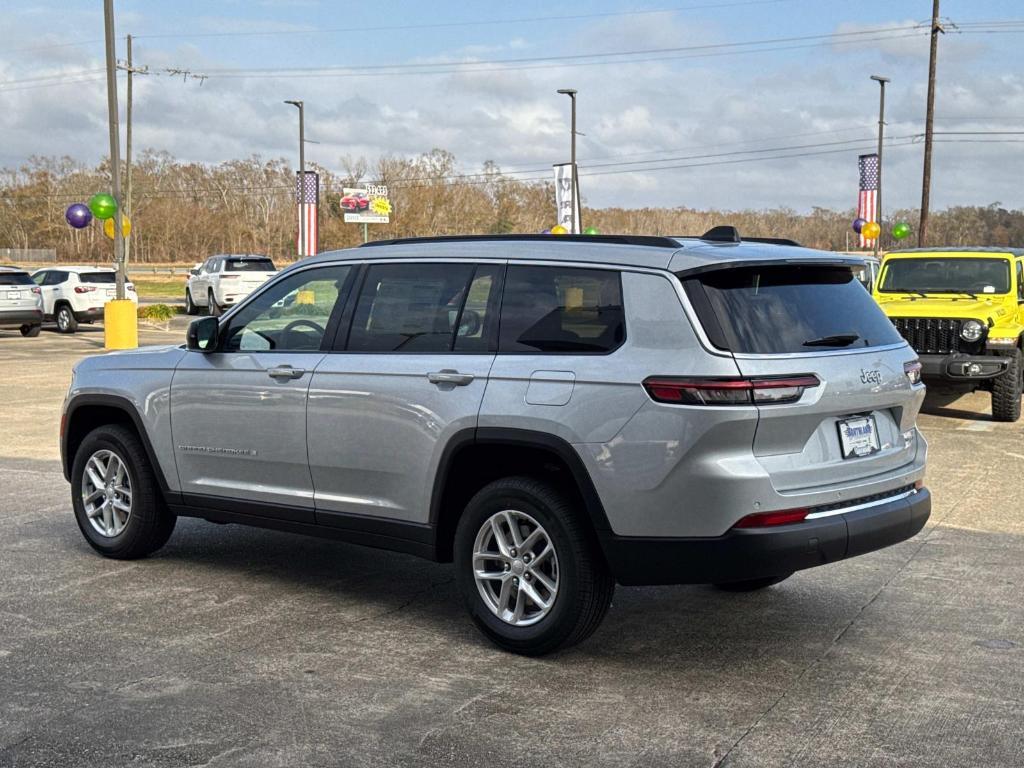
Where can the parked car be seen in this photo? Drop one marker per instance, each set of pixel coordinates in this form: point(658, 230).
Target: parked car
point(224, 280)
point(354, 203)
point(554, 415)
point(962, 310)
point(73, 295)
point(868, 274)
point(21, 305)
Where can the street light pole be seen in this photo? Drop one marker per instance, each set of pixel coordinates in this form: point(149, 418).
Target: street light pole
point(115, 142)
point(302, 177)
point(571, 93)
point(881, 135)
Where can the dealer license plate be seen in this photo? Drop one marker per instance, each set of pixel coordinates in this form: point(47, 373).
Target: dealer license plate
point(14, 294)
point(858, 437)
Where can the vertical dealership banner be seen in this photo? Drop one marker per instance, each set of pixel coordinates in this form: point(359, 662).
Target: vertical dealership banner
point(307, 197)
point(867, 201)
point(567, 204)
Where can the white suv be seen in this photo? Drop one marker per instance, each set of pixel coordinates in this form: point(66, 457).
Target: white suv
point(224, 280)
point(73, 295)
point(20, 304)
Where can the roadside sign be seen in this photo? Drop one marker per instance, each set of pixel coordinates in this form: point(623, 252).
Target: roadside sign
point(366, 205)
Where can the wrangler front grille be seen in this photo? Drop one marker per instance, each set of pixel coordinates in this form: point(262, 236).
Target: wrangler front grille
point(930, 335)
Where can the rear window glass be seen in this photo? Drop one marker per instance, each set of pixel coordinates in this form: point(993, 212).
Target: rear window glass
point(788, 309)
point(97, 277)
point(561, 309)
point(249, 265)
point(15, 278)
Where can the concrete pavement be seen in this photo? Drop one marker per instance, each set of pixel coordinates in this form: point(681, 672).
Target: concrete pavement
point(241, 647)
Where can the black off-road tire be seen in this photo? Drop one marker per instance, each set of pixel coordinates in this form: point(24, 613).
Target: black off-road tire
point(1006, 390)
point(150, 523)
point(30, 331)
point(751, 585)
point(585, 585)
point(212, 308)
point(190, 306)
point(65, 317)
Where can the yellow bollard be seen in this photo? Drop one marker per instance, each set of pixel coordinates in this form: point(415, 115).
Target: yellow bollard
point(120, 324)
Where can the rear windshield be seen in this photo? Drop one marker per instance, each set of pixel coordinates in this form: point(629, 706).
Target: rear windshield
point(249, 265)
point(946, 275)
point(97, 277)
point(788, 309)
point(15, 278)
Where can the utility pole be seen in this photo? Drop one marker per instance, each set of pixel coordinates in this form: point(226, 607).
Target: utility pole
point(571, 93)
point(929, 119)
point(302, 177)
point(115, 148)
point(128, 146)
point(881, 134)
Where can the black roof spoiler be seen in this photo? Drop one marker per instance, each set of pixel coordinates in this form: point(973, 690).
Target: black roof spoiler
point(729, 234)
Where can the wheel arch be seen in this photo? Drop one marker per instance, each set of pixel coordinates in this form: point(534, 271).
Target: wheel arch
point(87, 412)
point(475, 457)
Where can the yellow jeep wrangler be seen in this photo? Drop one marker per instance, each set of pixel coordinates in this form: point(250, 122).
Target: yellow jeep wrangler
point(962, 310)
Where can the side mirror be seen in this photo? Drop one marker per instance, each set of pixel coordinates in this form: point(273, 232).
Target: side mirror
point(202, 335)
point(193, 272)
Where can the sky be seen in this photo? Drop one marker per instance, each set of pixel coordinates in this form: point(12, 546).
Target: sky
point(678, 103)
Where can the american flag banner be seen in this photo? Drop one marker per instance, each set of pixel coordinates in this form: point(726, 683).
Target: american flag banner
point(867, 202)
point(307, 198)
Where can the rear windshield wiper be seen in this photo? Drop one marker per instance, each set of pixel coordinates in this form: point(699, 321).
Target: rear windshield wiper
point(836, 340)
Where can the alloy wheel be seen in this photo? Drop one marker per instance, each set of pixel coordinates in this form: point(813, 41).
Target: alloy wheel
point(516, 568)
point(107, 493)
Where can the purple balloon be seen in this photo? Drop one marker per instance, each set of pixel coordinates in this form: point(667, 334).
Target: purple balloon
point(78, 215)
point(545, 231)
point(858, 223)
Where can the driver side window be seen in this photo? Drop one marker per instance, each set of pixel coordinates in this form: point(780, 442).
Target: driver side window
point(1020, 281)
point(290, 316)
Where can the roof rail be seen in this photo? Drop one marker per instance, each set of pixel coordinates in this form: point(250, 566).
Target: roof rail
point(729, 234)
point(646, 240)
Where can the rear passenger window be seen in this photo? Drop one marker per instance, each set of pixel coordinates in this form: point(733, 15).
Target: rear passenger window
point(561, 309)
point(409, 308)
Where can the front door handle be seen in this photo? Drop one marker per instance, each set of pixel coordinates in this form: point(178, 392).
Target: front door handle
point(283, 372)
point(448, 376)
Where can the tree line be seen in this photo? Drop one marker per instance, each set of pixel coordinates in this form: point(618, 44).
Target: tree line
point(183, 212)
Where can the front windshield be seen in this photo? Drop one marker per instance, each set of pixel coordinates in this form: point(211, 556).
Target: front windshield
point(946, 275)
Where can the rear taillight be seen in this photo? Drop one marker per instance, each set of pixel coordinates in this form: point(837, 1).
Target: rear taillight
point(36, 290)
point(759, 391)
point(913, 371)
point(84, 288)
point(768, 519)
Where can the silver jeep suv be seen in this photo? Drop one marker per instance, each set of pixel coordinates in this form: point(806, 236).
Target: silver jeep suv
point(553, 414)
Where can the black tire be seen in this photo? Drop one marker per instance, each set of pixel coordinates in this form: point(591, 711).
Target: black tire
point(31, 331)
point(65, 317)
point(190, 306)
point(212, 308)
point(752, 585)
point(150, 523)
point(1006, 391)
point(585, 585)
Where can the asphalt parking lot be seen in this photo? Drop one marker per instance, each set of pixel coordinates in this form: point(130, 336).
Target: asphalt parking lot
point(241, 647)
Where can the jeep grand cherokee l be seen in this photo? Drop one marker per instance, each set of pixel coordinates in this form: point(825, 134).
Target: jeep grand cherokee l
point(554, 415)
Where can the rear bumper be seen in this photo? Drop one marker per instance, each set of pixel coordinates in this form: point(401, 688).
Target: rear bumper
point(963, 368)
point(20, 317)
point(89, 315)
point(753, 553)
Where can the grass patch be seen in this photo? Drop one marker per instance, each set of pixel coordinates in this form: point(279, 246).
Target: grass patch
point(159, 287)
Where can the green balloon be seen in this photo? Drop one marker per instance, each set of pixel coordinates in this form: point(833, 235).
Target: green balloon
point(591, 231)
point(102, 205)
point(900, 230)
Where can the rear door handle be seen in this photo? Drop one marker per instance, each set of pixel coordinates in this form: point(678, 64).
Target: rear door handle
point(448, 376)
point(285, 372)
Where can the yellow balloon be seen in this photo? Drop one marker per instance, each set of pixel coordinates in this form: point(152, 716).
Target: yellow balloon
point(108, 227)
point(558, 229)
point(870, 231)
